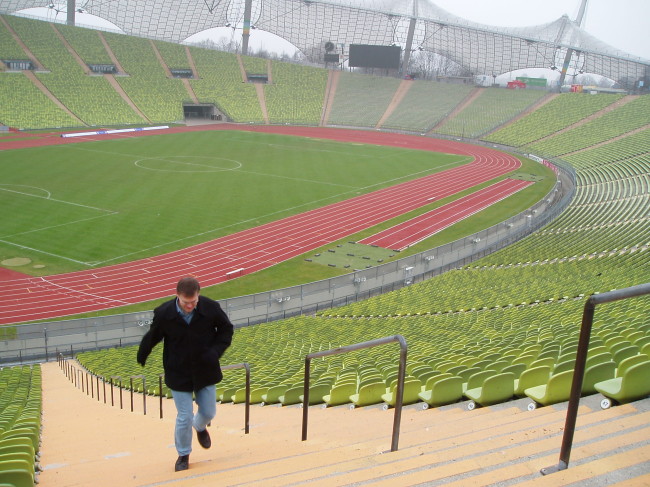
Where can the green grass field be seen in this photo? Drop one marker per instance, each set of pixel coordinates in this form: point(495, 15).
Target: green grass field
point(79, 206)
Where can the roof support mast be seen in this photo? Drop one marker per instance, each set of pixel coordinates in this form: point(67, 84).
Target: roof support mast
point(248, 7)
point(409, 40)
point(72, 8)
point(569, 53)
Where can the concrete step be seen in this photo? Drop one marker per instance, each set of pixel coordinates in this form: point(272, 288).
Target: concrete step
point(87, 442)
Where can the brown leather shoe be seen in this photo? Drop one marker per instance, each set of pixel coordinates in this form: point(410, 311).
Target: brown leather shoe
point(182, 463)
point(204, 438)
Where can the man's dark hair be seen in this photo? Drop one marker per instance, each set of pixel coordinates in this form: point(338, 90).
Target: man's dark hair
point(188, 286)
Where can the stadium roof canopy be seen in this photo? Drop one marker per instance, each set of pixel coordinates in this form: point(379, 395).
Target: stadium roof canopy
point(309, 24)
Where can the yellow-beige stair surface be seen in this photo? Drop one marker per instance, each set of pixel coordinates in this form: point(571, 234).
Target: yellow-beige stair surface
point(86, 442)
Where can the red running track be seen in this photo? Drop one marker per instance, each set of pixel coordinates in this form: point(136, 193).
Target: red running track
point(424, 226)
point(250, 250)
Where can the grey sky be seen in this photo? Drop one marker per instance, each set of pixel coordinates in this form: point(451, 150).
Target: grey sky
point(624, 24)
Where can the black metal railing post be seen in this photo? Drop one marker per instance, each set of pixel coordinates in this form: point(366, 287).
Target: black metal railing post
point(144, 391)
point(399, 390)
point(160, 389)
point(581, 359)
point(246, 366)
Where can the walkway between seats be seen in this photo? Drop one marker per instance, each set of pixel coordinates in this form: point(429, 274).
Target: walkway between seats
point(89, 443)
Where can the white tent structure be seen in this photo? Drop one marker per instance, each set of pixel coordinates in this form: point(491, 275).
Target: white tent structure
point(414, 25)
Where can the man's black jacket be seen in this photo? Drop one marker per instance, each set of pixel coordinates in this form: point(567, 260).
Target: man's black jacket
point(190, 352)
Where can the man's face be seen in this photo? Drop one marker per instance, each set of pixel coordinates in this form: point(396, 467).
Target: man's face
point(188, 303)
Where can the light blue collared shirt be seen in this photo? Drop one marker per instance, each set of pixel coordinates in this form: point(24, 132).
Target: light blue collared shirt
point(186, 316)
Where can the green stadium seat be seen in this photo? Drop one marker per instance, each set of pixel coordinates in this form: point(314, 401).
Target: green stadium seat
point(598, 358)
point(273, 394)
point(340, 394)
point(369, 394)
point(628, 362)
point(19, 473)
point(564, 366)
point(495, 389)
point(257, 393)
point(632, 385)
point(625, 352)
point(316, 393)
point(558, 389)
point(442, 391)
point(412, 388)
point(516, 369)
point(477, 379)
point(548, 361)
point(597, 373)
point(292, 395)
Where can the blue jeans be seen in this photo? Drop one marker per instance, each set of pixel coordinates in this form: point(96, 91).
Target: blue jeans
point(206, 399)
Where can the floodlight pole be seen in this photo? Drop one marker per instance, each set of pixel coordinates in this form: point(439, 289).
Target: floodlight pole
point(248, 7)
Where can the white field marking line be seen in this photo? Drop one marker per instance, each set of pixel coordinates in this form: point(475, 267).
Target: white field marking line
point(139, 158)
point(302, 180)
point(164, 159)
point(44, 252)
point(95, 296)
point(284, 210)
point(59, 201)
point(59, 225)
point(26, 186)
point(345, 185)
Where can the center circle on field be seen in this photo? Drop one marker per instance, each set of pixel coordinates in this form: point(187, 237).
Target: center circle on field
point(188, 164)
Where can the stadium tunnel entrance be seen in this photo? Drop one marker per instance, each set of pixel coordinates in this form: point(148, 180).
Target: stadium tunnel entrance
point(203, 111)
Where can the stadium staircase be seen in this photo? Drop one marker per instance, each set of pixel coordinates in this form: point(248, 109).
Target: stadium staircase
point(190, 60)
point(330, 93)
point(71, 51)
point(190, 90)
point(162, 62)
point(475, 93)
point(111, 54)
point(39, 84)
point(499, 445)
point(24, 47)
point(242, 69)
point(113, 82)
point(536, 106)
point(401, 92)
point(617, 104)
point(260, 96)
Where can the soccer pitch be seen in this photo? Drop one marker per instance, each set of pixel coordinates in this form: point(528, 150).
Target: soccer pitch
point(85, 205)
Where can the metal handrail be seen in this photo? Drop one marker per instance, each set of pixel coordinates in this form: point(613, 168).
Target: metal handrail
point(399, 391)
point(244, 365)
point(581, 359)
